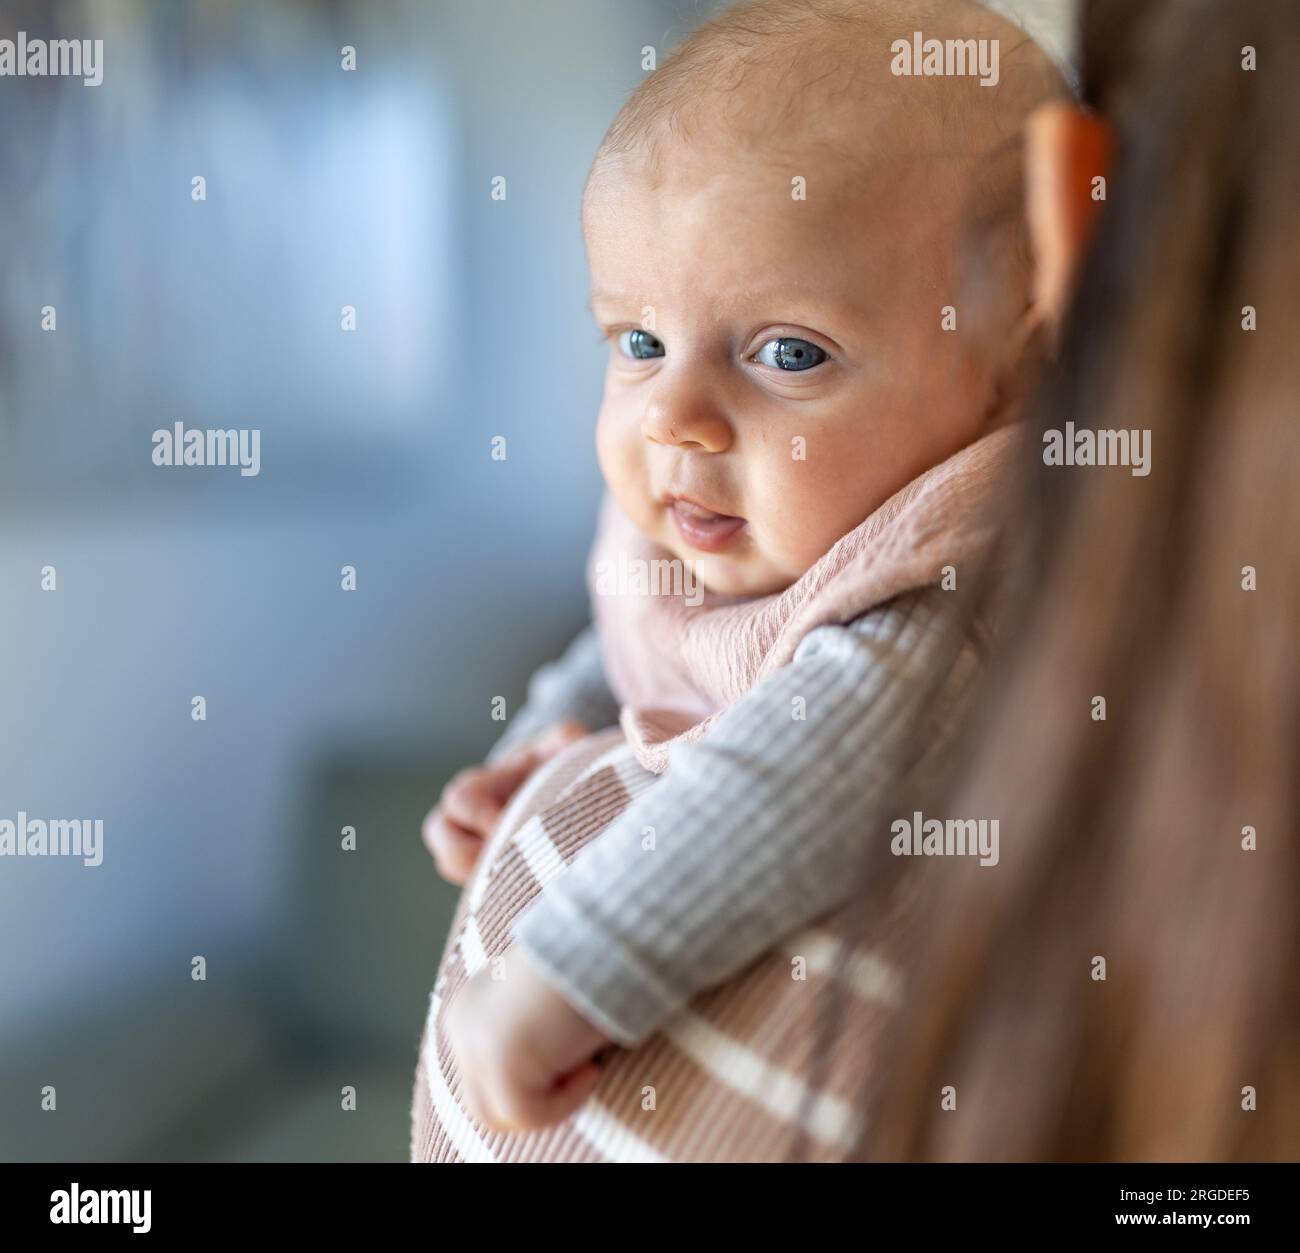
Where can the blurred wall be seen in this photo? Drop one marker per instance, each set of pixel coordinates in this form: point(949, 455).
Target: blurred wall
point(324, 189)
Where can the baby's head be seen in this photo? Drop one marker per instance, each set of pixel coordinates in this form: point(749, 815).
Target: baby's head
point(775, 223)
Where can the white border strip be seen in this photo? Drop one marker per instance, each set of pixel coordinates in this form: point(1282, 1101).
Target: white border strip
point(779, 1092)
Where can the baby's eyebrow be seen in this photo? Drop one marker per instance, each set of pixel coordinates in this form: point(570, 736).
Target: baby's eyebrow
point(602, 296)
point(794, 303)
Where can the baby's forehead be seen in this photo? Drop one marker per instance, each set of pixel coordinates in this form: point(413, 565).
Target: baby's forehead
point(846, 162)
point(714, 225)
point(859, 133)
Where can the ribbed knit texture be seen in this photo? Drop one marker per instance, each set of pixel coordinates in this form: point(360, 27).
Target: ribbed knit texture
point(758, 827)
point(726, 1079)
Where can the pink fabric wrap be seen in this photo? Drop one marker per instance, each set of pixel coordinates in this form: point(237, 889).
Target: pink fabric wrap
point(675, 667)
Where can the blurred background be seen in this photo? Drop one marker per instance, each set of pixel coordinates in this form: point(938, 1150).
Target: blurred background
point(326, 709)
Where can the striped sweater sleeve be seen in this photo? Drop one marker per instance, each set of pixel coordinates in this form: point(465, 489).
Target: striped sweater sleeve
point(758, 827)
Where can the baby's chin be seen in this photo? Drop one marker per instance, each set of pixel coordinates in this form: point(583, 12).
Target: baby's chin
point(724, 575)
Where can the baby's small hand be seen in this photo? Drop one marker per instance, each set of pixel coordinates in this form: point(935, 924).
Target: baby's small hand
point(457, 827)
point(524, 1054)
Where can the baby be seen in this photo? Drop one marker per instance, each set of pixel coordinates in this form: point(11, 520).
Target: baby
point(775, 225)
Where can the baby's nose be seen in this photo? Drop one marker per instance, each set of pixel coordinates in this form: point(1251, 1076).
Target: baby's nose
point(684, 417)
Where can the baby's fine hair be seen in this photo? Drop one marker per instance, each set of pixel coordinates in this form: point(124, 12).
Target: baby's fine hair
point(816, 55)
point(780, 77)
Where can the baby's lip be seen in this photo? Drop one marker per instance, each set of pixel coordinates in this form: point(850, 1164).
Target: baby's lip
point(701, 527)
point(694, 508)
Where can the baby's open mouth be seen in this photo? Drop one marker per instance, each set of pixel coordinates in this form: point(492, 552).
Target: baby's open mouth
point(703, 528)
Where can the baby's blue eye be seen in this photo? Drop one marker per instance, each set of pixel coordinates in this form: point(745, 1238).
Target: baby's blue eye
point(790, 354)
point(639, 345)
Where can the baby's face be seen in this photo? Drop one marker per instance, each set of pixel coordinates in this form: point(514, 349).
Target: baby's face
point(777, 367)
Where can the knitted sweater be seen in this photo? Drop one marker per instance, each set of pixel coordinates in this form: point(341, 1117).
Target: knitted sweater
point(757, 827)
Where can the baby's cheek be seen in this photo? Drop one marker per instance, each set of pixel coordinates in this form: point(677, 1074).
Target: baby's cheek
point(613, 452)
point(805, 509)
point(622, 462)
point(817, 501)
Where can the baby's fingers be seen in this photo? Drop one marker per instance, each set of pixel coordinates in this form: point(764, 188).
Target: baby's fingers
point(470, 801)
point(569, 1095)
point(455, 851)
point(516, 1109)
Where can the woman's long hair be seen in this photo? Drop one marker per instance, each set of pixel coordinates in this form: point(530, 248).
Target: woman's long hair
point(1158, 846)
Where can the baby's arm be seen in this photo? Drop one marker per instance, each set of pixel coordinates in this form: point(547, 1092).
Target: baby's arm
point(566, 699)
point(572, 688)
point(759, 827)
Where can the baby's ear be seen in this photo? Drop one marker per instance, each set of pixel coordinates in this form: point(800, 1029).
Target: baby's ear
point(1067, 162)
